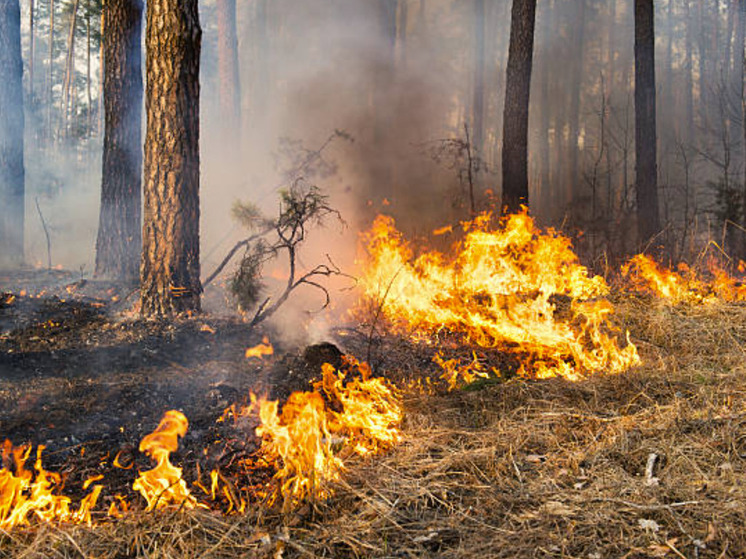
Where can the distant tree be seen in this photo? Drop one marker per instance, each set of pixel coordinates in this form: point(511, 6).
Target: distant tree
point(646, 182)
point(515, 119)
point(230, 91)
point(170, 261)
point(119, 232)
point(12, 173)
point(477, 123)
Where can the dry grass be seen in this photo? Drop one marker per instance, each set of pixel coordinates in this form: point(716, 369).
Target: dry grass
point(519, 469)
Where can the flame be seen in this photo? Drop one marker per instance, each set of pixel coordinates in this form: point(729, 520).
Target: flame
point(260, 350)
point(163, 485)
point(645, 275)
point(512, 287)
point(306, 440)
point(25, 495)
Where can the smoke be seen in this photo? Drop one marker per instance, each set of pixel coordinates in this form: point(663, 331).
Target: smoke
point(399, 87)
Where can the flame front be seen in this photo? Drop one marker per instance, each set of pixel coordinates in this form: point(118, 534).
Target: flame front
point(685, 285)
point(513, 287)
point(163, 486)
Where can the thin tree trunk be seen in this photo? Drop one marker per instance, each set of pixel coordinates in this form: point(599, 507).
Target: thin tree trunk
point(101, 71)
point(703, 68)
point(402, 32)
point(741, 47)
point(12, 173)
point(577, 91)
point(688, 75)
point(648, 220)
point(515, 119)
point(89, 122)
point(50, 75)
point(69, 71)
point(170, 260)
point(119, 232)
point(230, 89)
point(31, 44)
point(478, 99)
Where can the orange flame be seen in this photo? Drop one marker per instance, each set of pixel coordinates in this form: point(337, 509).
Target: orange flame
point(24, 495)
point(504, 287)
point(260, 350)
point(685, 285)
point(163, 485)
point(307, 439)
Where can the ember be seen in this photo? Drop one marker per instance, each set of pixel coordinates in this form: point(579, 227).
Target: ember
point(260, 350)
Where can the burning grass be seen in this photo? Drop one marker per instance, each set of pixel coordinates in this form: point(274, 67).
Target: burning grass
point(649, 463)
point(546, 468)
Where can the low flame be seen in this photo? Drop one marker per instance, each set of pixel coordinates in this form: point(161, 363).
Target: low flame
point(260, 350)
point(684, 285)
point(25, 495)
point(163, 486)
point(307, 440)
point(513, 287)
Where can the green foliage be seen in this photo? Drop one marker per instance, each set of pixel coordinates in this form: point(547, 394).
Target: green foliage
point(301, 205)
point(246, 284)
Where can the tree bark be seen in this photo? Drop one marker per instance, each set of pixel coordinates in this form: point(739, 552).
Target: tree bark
point(648, 220)
point(515, 119)
point(119, 235)
point(12, 173)
point(477, 124)
point(170, 261)
point(230, 90)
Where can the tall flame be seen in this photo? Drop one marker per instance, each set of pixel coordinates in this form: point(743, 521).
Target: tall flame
point(502, 288)
point(163, 486)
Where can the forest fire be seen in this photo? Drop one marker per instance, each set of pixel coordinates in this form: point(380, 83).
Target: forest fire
point(511, 287)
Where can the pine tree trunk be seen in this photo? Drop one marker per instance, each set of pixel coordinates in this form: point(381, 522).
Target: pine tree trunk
point(170, 261)
point(119, 232)
point(648, 220)
point(230, 91)
point(12, 174)
point(515, 119)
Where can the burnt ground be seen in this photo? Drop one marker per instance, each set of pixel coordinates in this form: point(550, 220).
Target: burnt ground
point(87, 378)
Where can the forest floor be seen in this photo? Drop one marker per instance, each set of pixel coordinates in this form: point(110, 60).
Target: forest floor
point(649, 463)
